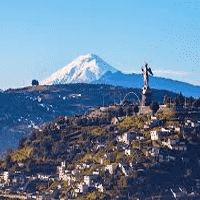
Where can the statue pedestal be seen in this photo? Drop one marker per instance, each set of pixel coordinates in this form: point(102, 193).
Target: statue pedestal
point(146, 98)
point(145, 110)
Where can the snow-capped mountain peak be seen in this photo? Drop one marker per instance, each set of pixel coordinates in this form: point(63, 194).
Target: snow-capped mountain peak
point(84, 69)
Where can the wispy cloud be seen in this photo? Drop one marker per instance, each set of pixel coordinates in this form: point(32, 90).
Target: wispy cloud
point(168, 73)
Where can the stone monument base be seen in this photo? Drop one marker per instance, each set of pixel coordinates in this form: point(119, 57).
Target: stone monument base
point(146, 98)
point(145, 110)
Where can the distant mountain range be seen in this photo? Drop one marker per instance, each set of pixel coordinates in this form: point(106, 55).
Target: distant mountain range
point(92, 69)
point(136, 81)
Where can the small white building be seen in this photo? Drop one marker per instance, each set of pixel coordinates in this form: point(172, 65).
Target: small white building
point(82, 187)
point(128, 152)
point(69, 178)
point(43, 177)
point(154, 151)
point(102, 160)
point(153, 118)
point(104, 109)
point(87, 180)
point(155, 135)
point(109, 168)
point(170, 142)
point(165, 130)
point(95, 173)
point(74, 95)
point(86, 166)
point(60, 171)
point(146, 126)
point(121, 118)
point(123, 170)
point(126, 138)
point(6, 176)
point(139, 137)
point(114, 121)
point(177, 129)
point(99, 187)
point(21, 164)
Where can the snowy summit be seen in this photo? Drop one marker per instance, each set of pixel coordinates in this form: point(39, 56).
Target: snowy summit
point(84, 69)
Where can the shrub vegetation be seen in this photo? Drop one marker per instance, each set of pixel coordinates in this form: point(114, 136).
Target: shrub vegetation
point(22, 154)
point(137, 122)
point(166, 115)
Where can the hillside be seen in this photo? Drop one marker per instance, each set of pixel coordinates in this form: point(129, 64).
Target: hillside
point(24, 109)
point(88, 157)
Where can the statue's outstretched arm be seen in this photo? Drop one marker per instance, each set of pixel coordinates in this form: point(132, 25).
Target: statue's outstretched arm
point(150, 71)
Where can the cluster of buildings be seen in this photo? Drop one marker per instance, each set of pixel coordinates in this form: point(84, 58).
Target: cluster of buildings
point(171, 144)
point(80, 185)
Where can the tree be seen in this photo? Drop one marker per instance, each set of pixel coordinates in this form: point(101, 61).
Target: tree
point(196, 103)
point(120, 112)
point(189, 101)
point(109, 117)
point(35, 82)
point(34, 134)
point(154, 106)
point(129, 111)
point(22, 142)
point(167, 99)
point(179, 100)
point(135, 109)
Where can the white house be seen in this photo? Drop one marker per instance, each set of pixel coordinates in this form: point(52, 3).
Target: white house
point(87, 180)
point(155, 135)
point(153, 118)
point(74, 95)
point(128, 152)
point(103, 109)
point(126, 138)
point(60, 171)
point(82, 187)
point(166, 131)
point(154, 151)
point(124, 168)
point(170, 142)
point(43, 177)
point(5, 176)
point(95, 173)
point(146, 126)
point(139, 137)
point(177, 129)
point(99, 187)
point(109, 168)
point(21, 164)
point(114, 121)
point(69, 178)
point(121, 118)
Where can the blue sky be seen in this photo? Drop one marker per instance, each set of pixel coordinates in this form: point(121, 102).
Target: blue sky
point(38, 38)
